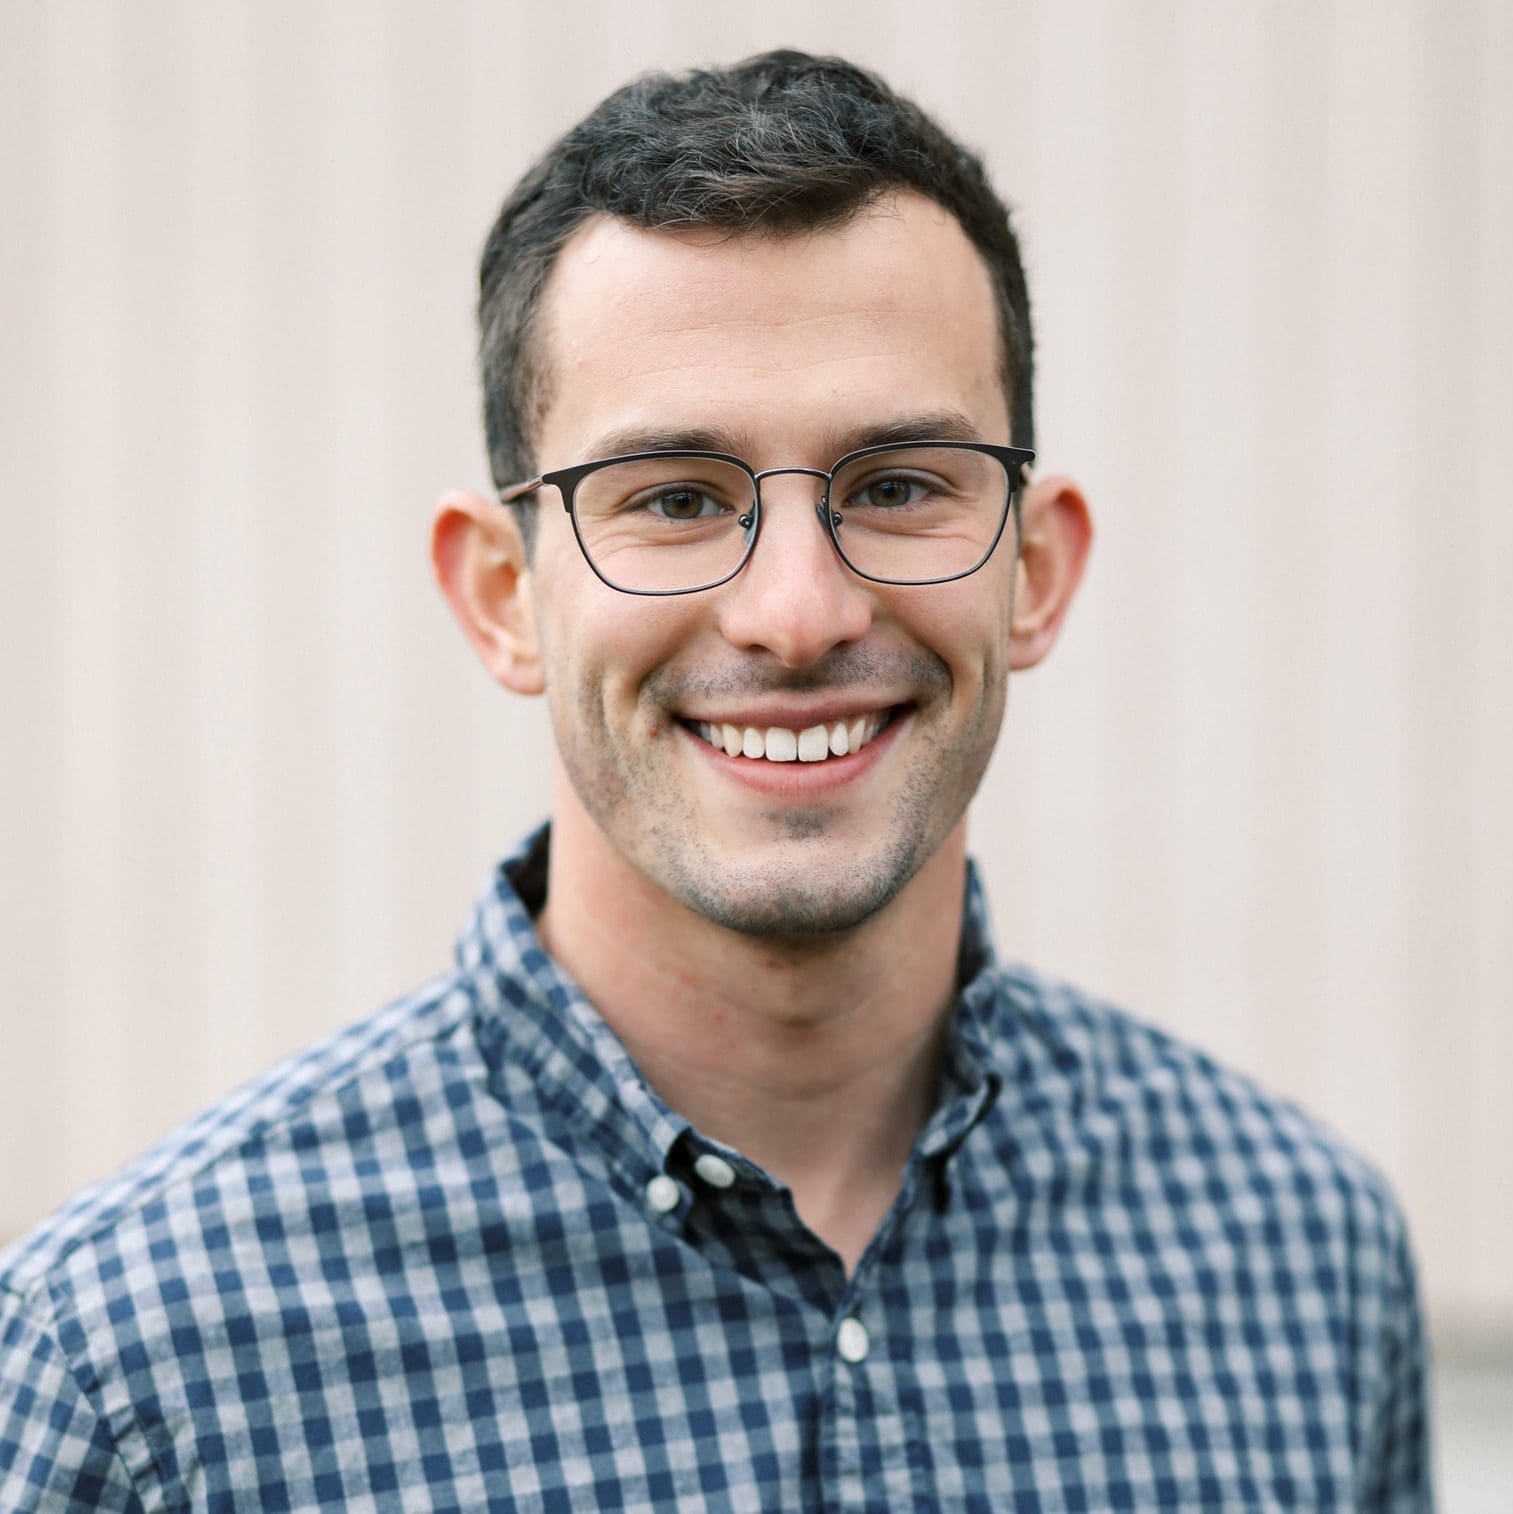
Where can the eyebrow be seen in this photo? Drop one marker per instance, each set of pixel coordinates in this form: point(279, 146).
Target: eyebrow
point(630, 439)
point(930, 426)
point(927, 426)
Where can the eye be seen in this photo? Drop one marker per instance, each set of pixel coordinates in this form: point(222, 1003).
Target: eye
point(891, 493)
point(683, 504)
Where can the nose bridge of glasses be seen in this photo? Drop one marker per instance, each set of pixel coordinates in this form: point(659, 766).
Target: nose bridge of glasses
point(767, 473)
point(821, 503)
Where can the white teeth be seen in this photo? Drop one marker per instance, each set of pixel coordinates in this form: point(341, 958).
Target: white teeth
point(779, 744)
point(813, 744)
point(782, 745)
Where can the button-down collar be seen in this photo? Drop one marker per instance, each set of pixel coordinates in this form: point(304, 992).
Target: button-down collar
point(533, 1014)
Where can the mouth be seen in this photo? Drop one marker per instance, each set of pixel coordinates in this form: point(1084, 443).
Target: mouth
point(776, 743)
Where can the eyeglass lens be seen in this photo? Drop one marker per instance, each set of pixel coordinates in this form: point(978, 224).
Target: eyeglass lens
point(671, 522)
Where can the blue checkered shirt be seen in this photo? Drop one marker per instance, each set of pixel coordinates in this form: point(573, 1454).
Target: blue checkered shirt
point(460, 1257)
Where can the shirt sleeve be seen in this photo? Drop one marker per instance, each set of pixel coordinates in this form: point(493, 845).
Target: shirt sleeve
point(1397, 1470)
point(55, 1451)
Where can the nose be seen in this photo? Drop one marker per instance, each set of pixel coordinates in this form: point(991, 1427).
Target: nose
point(795, 598)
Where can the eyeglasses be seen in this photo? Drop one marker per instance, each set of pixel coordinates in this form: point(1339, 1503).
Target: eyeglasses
point(678, 522)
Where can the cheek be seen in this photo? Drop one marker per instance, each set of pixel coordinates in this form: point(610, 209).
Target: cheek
point(600, 647)
point(969, 630)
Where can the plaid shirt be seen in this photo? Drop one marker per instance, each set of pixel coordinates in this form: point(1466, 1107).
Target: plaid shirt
point(461, 1257)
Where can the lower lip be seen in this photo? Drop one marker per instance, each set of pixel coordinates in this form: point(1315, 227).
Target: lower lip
point(801, 780)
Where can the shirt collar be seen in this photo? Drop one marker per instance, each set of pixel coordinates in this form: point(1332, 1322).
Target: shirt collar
point(532, 1013)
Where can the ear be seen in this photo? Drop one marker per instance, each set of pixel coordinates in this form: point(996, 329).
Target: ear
point(480, 562)
point(1056, 533)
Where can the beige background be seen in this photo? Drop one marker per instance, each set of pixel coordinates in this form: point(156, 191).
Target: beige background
point(251, 777)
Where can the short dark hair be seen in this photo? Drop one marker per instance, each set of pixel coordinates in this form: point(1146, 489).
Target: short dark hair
point(782, 142)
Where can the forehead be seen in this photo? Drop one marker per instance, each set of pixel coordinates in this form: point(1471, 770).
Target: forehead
point(778, 340)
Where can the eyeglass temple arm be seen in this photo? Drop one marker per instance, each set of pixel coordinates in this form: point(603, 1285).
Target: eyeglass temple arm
point(517, 491)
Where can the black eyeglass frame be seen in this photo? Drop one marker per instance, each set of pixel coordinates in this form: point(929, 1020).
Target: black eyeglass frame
point(1015, 462)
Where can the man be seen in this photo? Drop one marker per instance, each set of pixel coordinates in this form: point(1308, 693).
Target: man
point(729, 1169)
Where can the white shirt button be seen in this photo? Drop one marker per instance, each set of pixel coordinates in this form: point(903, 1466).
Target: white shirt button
point(852, 1341)
point(662, 1194)
point(715, 1171)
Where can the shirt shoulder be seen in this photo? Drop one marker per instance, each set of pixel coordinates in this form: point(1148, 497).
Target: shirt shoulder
point(1247, 1225)
point(103, 1307)
point(1179, 1116)
point(229, 1141)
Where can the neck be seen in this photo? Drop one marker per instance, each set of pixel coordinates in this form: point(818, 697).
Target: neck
point(817, 1058)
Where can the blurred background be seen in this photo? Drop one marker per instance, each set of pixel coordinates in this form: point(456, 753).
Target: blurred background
point(250, 776)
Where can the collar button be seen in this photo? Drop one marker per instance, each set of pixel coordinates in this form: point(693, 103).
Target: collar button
point(715, 1171)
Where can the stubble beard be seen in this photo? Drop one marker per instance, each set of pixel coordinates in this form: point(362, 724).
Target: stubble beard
point(821, 885)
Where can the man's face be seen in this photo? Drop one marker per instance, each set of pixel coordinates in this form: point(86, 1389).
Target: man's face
point(786, 352)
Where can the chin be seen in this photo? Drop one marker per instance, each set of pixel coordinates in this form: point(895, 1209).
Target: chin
point(791, 899)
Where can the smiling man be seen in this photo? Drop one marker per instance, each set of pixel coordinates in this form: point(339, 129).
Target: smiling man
point(730, 1169)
